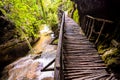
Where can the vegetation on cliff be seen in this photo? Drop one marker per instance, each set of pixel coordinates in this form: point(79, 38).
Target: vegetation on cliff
point(29, 15)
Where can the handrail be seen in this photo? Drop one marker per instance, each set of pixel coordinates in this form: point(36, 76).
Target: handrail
point(89, 26)
point(99, 19)
point(58, 61)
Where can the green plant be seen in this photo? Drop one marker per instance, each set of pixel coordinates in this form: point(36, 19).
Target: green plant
point(28, 15)
point(112, 53)
point(76, 16)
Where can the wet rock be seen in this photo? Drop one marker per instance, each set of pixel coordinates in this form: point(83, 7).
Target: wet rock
point(10, 44)
point(48, 78)
point(29, 67)
point(9, 51)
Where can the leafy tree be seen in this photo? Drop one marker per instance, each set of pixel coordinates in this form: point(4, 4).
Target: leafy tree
point(29, 15)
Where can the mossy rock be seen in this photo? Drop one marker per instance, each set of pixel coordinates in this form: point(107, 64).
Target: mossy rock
point(55, 41)
point(112, 59)
point(114, 64)
point(102, 49)
point(112, 53)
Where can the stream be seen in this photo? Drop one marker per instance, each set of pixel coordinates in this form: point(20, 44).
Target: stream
point(29, 67)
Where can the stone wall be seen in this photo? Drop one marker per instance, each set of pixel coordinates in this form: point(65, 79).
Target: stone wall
point(108, 9)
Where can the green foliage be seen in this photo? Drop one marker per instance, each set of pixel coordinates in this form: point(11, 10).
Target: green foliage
point(50, 11)
point(68, 5)
point(28, 15)
point(113, 52)
point(56, 41)
point(113, 62)
point(76, 16)
point(112, 59)
point(24, 13)
point(102, 49)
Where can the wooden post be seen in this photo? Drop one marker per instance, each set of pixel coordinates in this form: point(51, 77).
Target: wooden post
point(86, 25)
point(100, 32)
point(83, 25)
point(88, 29)
point(91, 29)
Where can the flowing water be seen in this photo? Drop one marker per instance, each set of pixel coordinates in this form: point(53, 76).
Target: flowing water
point(29, 67)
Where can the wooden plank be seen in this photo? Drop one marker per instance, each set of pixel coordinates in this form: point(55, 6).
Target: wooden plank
point(80, 51)
point(92, 77)
point(85, 68)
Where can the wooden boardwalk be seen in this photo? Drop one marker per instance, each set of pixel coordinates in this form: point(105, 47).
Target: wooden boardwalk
point(81, 60)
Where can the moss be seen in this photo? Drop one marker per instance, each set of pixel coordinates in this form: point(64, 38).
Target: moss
point(113, 62)
point(113, 52)
point(56, 41)
point(76, 16)
point(102, 49)
point(112, 59)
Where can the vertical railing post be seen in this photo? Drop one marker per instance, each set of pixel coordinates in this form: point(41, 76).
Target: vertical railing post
point(86, 25)
point(100, 32)
point(89, 26)
point(91, 30)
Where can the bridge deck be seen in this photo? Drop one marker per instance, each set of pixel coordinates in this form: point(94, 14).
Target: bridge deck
point(81, 60)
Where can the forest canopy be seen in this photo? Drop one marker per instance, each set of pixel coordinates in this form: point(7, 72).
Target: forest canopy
point(29, 15)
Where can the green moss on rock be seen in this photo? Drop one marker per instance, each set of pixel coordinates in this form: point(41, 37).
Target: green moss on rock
point(56, 41)
point(113, 52)
point(112, 59)
point(76, 16)
point(102, 49)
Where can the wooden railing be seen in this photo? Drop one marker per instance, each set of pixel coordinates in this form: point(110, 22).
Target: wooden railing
point(89, 26)
point(58, 75)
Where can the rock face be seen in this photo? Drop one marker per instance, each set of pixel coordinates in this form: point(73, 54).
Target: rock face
point(10, 44)
point(9, 51)
point(108, 9)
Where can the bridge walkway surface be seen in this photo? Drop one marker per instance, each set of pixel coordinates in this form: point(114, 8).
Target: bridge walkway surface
point(81, 60)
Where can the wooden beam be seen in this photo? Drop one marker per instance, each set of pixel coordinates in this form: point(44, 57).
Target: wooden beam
point(58, 60)
point(45, 68)
point(99, 19)
point(48, 69)
point(115, 43)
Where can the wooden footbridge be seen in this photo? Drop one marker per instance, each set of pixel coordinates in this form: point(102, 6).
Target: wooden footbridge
point(77, 58)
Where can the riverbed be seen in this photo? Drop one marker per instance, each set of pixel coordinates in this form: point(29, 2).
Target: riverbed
point(29, 67)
